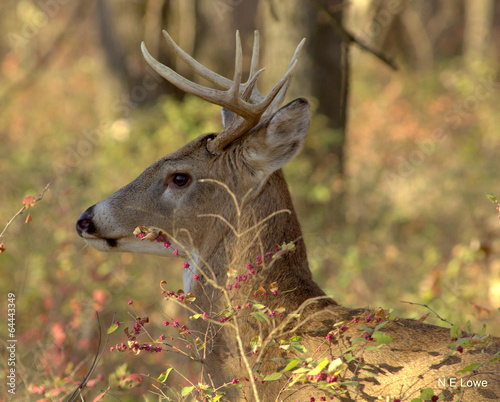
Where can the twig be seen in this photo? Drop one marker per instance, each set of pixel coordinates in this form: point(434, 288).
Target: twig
point(22, 210)
point(97, 358)
point(351, 38)
point(426, 306)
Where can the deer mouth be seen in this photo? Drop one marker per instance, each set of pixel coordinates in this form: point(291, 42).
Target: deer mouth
point(101, 243)
point(87, 230)
point(111, 242)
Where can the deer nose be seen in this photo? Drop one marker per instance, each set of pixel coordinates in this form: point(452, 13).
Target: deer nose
point(84, 223)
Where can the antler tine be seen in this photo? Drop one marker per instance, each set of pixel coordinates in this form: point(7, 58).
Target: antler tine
point(216, 96)
point(196, 66)
point(234, 91)
point(278, 100)
point(179, 81)
point(255, 53)
point(261, 110)
point(250, 92)
point(242, 99)
point(241, 127)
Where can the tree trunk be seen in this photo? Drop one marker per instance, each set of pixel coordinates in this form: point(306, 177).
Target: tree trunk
point(478, 24)
point(322, 74)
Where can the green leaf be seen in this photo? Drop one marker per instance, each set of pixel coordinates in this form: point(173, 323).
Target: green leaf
point(258, 306)
point(375, 347)
point(301, 370)
point(216, 398)
point(470, 367)
point(335, 366)
point(455, 332)
point(186, 390)
point(462, 341)
point(112, 328)
point(426, 393)
point(366, 329)
point(380, 325)
point(319, 368)
point(353, 383)
point(291, 365)
point(299, 348)
point(261, 317)
point(357, 340)
point(492, 198)
point(416, 400)
point(273, 376)
point(163, 376)
point(296, 338)
point(381, 337)
point(296, 379)
point(255, 341)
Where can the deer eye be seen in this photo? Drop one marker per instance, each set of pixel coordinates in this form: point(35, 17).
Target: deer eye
point(181, 179)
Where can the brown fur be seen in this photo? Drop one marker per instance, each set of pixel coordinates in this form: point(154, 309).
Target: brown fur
point(414, 360)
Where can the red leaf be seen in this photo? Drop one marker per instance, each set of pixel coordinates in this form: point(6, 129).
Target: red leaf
point(424, 317)
point(99, 397)
point(137, 378)
point(29, 201)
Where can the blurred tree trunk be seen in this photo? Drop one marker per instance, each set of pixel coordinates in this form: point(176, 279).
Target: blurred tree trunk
point(122, 26)
point(113, 51)
point(477, 36)
point(215, 32)
point(322, 75)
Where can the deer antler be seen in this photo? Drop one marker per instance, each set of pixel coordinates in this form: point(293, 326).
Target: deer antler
point(242, 99)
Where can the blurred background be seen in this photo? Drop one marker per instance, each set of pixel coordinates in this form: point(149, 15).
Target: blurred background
point(390, 187)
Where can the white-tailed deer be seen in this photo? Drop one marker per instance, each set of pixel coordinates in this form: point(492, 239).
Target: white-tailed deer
point(223, 203)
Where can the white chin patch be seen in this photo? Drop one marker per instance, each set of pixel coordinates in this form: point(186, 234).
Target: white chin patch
point(130, 245)
point(134, 245)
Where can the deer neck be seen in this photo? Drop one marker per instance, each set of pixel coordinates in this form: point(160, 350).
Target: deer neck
point(274, 222)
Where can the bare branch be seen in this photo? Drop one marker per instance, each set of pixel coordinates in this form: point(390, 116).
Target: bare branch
point(351, 38)
point(426, 306)
point(24, 208)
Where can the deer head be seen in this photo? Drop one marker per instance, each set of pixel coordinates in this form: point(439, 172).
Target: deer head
point(196, 195)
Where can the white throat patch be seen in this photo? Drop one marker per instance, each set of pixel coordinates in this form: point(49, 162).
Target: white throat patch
point(188, 273)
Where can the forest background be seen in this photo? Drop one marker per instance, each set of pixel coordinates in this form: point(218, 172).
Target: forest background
point(390, 187)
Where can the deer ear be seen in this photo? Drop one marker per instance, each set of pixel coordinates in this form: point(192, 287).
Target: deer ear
point(279, 139)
